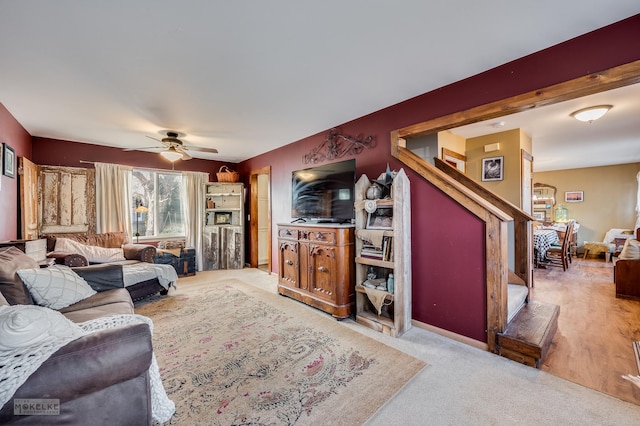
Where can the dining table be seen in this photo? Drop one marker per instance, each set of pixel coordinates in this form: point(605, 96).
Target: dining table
point(542, 240)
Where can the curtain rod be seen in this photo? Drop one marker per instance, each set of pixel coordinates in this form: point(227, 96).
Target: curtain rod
point(139, 168)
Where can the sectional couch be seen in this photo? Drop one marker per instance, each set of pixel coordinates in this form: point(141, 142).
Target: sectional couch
point(100, 378)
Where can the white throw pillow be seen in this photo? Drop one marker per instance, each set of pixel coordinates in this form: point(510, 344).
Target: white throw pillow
point(22, 326)
point(94, 254)
point(631, 250)
point(55, 287)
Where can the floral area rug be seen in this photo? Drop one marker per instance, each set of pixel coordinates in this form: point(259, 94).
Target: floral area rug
point(233, 354)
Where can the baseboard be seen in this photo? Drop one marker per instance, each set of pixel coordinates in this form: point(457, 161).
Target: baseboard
point(451, 335)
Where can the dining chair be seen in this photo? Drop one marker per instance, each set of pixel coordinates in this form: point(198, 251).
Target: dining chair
point(560, 254)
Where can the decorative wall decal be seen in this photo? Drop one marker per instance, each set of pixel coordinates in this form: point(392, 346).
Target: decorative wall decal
point(337, 145)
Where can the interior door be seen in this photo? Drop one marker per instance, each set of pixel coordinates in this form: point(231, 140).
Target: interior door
point(263, 219)
point(28, 180)
point(527, 182)
point(260, 244)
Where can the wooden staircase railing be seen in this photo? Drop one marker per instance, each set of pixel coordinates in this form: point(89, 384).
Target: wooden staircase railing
point(496, 245)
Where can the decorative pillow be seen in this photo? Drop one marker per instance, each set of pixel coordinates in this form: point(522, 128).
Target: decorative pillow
point(24, 326)
point(94, 254)
point(631, 250)
point(11, 287)
point(55, 287)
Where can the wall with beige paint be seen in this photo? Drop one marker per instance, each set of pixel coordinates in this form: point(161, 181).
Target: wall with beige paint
point(610, 194)
point(511, 142)
point(452, 142)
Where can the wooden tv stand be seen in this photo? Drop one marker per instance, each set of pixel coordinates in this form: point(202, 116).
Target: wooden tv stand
point(316, 266)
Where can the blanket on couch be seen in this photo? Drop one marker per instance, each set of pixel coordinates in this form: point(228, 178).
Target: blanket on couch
point(29, 335)
point(139, 272)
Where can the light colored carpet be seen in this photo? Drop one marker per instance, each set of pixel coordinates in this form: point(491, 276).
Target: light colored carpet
point(230, 353)
point(462, 385)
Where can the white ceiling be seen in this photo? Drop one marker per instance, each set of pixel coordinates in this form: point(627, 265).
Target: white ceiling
point(560, 142)
point(246, 77)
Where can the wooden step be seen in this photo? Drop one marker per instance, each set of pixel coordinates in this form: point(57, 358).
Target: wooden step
point(528, 336)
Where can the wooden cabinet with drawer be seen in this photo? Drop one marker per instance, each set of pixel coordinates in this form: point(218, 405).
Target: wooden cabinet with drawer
point(316, 266)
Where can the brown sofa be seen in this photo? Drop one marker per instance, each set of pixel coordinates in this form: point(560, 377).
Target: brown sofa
point(108, 276)
point(626, 273)
point(101, 378)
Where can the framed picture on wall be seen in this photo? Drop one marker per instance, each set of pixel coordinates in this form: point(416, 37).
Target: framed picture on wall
point(492, 169)
point(8, 161)
point(223, 218)
point(574, 196)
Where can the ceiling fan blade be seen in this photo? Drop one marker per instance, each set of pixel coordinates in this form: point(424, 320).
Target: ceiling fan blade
point(185, 156)
point(197, 148)
point(153, 138)
point(144, 147)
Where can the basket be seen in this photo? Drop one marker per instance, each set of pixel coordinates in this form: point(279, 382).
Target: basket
point(227, 175)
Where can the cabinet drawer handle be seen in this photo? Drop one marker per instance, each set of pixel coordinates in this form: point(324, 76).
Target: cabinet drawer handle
point(322, 269)
point(287, 232)
point(289, 262)
point(320, 236)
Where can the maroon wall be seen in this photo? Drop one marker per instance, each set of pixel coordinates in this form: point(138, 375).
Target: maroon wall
point(447, 241)
point(13, 134)
point(55, 152)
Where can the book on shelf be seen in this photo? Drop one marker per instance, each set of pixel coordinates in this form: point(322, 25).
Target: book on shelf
point(387, 249)
point(370, 255)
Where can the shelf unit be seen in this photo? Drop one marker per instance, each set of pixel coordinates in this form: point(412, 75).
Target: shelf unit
point(223, 237)
point(395, 316)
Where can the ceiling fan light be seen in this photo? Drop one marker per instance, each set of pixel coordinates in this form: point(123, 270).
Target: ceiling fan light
point(171, 154)
point(592, 113)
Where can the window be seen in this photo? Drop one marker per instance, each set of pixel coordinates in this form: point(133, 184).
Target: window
point(156, 206)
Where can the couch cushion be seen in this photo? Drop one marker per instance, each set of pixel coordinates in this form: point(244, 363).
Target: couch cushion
point(55, 287)
point(11, 286)
point(105, 303)
point(94, 254)
point(631, 250)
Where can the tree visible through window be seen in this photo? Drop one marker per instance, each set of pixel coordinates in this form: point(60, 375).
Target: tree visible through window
point(160, 193)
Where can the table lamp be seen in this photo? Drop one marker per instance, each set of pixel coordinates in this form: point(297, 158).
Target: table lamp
point(139, 209)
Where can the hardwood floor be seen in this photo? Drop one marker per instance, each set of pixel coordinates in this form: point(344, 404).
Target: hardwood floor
point(593, 344)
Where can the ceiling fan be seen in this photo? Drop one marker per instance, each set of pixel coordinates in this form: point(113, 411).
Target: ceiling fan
point(175, 148)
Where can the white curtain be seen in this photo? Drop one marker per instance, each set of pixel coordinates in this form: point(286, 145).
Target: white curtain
point(113, 199)
point(193, 184)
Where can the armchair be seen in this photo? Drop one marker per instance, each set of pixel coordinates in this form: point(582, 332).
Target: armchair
point(626, 270)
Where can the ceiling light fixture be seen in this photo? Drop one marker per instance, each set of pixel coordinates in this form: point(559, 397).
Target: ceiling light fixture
point(171, 154)
point(592, 113)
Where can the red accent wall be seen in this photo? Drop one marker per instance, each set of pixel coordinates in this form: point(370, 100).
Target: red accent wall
point(55, 152)
point(448, 241)
point(13, 134)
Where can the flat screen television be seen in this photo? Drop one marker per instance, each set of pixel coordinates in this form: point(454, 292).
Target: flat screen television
point(324, 193)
